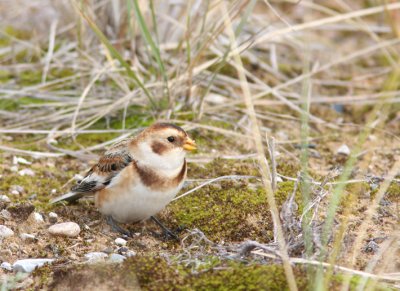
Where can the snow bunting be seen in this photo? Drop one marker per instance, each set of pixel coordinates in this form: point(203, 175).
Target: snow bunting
point(137, 177)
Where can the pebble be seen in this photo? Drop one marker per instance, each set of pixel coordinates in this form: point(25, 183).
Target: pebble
point(120, 242)
point(53, 217)
point(5, 231)
point(27, 237)
point(14, 169)
point(5, 214)
point(19, 160)
point(343, 150)
point(16, 189)
point(69, 229)
point(28, 265)
point(6, 266)
point(37, 217)
point(131, 254)
point(116, 258)
point(95, 257)
point(4, 198)
point(26, 172)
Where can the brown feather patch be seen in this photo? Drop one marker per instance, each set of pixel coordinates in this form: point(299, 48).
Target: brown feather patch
point(158, 147)
point(152, 180)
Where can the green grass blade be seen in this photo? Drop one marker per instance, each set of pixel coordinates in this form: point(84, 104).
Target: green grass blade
point(153, 46)
point(114, 53)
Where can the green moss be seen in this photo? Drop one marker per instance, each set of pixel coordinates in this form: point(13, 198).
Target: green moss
point(27, 78)
point(5, 76)
point(287, 169)
point(284, 190)
point(155, 273)
point(9, 104)
point(230, 211)
point(41, 184)
point(393, 191)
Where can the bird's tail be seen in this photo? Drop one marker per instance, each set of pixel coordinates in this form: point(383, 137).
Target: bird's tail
point(69, 197)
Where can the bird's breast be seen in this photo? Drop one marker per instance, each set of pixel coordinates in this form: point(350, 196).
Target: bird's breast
point(137, 193)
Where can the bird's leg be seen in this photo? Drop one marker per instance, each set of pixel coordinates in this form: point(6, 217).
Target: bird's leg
point(167, 233)
point(115, 227)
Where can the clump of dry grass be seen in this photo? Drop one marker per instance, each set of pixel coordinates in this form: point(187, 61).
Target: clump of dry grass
point(302, 72)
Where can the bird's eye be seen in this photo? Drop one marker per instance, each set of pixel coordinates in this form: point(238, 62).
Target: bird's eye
point(171, 139)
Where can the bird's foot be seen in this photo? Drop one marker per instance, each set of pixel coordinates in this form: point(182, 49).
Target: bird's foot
point(116, 228)
point(167, 234)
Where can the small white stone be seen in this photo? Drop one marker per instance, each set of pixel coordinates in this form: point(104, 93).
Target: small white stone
point(278, 179)
point(343, 150)
point(37, 217)
point(69, 229)
point(116, 258)
point(4, 198)
point(95, 257)
point(53, 191)
point(5, 231)
point(27, 237)
point(19, 160)
point(26, 172)
point(16, 189)
point(120, 242)
point(6, 266)
point(14, 169)
point(29, 265)
point(130, 254)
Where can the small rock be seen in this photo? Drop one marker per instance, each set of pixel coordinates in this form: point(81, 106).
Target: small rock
point(16, 189)
point(343, 150)
point(29, 265)
point(95, 257)
point(27, 237)
point(116, 258)
point(53, 191)
point(130, 254)
point(4, 198)
point(5, 231)
point(108, 250)
point(6, 266)
point(5, 214)
point(19, 160)
point(26, 172)
point(14, 169)
point(33, 196)
point(53, 217)
point(69, 229)
point(371, 247)
point(120, 242)
point(37, 217)
point(278, 179)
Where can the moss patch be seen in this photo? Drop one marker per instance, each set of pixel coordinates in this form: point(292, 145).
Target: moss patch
point(229, 211)
point(154, 273)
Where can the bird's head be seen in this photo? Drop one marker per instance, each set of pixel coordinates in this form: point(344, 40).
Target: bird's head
point(164, 145)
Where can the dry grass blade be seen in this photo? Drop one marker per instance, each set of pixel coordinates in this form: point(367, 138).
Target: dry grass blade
point(265, 171)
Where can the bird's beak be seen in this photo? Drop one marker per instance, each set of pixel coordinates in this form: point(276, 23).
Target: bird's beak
point(189, 145)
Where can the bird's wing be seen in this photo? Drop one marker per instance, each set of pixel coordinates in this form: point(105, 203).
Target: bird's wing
point(108, 166)
point(101, 174)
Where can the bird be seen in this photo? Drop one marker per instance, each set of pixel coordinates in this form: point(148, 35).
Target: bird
point(137, 177)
